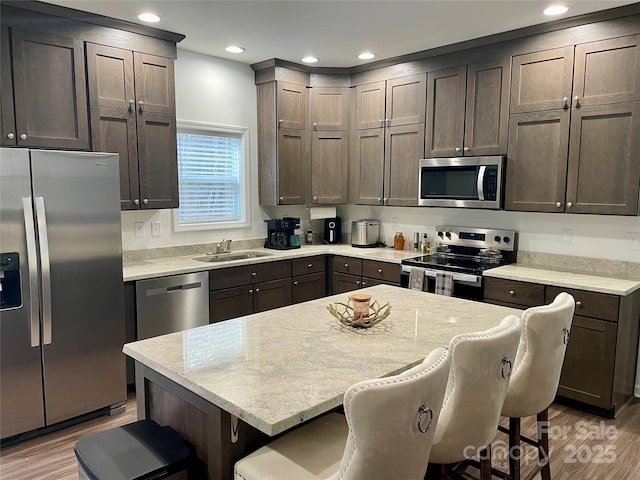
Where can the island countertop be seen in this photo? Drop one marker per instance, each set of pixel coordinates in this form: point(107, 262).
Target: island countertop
point(279, 368)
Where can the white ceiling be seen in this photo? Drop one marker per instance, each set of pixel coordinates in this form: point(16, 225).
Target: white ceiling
point(335, 31)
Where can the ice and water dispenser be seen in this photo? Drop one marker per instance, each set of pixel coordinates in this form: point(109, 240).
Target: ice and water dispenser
point(10, 296)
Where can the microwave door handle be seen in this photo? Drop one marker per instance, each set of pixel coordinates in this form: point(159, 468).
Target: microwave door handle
point(481, 172)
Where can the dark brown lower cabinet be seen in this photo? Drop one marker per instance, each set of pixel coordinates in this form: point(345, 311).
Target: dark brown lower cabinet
point(270, 295)
point(308, 287)
point(351, 273)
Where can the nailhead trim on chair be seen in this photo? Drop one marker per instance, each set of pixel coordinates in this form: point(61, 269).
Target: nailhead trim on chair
point(382, 382)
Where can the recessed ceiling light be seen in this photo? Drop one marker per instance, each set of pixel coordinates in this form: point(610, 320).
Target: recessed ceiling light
point(556, 10)
point(234, 49)
point(366, 56)
point(309, 59)
point(149, 17)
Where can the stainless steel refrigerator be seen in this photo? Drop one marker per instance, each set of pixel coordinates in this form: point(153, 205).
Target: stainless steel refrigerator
point(61, 296)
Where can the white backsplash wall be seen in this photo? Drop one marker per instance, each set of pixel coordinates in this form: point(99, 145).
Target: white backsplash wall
point(599, 236)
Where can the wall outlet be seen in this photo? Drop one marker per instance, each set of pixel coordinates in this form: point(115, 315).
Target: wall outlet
point(155, 229)
point(138, 229)
point(567, 235)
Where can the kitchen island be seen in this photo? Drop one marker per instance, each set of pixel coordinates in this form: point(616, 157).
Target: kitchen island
point(231, 386)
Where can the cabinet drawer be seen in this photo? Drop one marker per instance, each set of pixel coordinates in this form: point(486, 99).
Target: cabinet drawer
point(352, 266)
point(302, 266)
point(511, 291)
point(387, 272)
point(246, 274)
point(589, 304)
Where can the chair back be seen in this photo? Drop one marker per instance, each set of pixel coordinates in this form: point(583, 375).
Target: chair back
point(392, 422)
point(480, 369)
point(536, 371)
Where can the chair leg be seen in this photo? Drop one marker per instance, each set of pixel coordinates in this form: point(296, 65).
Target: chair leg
point(543, 443)
point(444, 472)
point(515, 449)
point(485, 463)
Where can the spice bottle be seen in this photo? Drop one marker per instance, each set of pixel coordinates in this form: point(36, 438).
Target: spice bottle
point(398, 241)
point(425, 244)
point(309, 236)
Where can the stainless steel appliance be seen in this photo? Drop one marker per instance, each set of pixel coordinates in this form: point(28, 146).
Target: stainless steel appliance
point(332, 230)
point(470, 182)
point(281, 233)
point(466, 253)
point(62, 301)
point(171, 304)
point(365, 233)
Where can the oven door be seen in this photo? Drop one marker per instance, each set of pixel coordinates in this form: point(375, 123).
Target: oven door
point(465, 285)
point(472, 182)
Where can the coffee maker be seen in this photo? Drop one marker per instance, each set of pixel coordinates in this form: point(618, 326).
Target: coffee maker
point(281, 235)
point(332, 230)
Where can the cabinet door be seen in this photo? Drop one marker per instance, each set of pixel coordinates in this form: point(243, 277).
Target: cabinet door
point(7, 118)
point(49, 91)
point(370, 110)
point(404, 147)
point(292, 107)
point(230, 303)
point(342, 283)
point(329, 108)
point(604, 162)
point(329, 167)
point(270, 295)
point(445, 112)
point(308, 287)
point(537, 161)
point(382, 271)
point(587, 372)
point(487, 109)
point(293, 166)
point(157, 160)
point(368, 171)
point(542, 80)
point(114, 130)
point(110, 75)
point(155, 84)
point(607, 72)
point(406, 98)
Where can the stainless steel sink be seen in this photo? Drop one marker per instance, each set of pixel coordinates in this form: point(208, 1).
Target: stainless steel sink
point(227, 257)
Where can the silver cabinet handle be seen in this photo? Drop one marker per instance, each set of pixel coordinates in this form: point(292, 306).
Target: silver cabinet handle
point(381, 123)
point(309, 265)
point(140, 105)
point(145, 201)
point(385, 199)
point(30, 231)
point(565, 100)
point(379, 199)
point(254, 274)
point(280, 123)
point(257, 290)
point(512, 292)
point(131, 104)
point(281, 199)
point(558, 204)
point(136, 202)
point(569, 204)
point(346, 265)
point(466, 149)
point(379, 270)
point(23, 136)
point(364, 284)
point(577, 100)
point(315, 197)
point(11, 136)
point(457, 149)
point(250, 291)
point(315, 126)
point(578, 303)
point(295, 282)
point(387, 121)
point(357, 282)
point(45, 280)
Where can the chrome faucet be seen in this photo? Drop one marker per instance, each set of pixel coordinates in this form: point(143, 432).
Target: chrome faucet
point(224, 246)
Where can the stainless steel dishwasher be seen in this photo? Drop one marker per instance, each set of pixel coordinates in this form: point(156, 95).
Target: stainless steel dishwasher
point(171, 304)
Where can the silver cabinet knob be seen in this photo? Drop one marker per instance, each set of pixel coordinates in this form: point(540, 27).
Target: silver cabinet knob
point(145, 201)
point(558, 204)
point(280, 123)
point(140, 105)
point(381, 122)
point(364, 284)
point(385, 199)
point(315, 126)
point(23, 136)
point(281, 198)
point(357, 282)
point(253, 274)
point(136, 202)
point(251, 292)
point(10, 135)
point(346, 265)
point(578, 303)
point(457, 149)
point(569, 204)
point(379, 270)
point(577, 100)
point(512, 292)
point(131, 104)
point(387, 121)
point(466, 149)
point(309, 265)
point(565, 100)
point(257, 290)
point(315, 197)
point(379, 199)
point(295, 283)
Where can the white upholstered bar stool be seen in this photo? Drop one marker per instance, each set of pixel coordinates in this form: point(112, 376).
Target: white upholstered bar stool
point(387, 433)
point(535, 378)
point(480, 368)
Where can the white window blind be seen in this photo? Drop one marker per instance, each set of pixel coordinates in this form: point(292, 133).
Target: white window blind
point(211, 177)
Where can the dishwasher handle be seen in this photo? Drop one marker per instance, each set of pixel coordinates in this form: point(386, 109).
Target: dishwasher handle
point(172, 289)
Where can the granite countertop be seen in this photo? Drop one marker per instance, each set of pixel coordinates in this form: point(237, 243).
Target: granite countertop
point(161, 267)
point(279, 368)
point(565, 278)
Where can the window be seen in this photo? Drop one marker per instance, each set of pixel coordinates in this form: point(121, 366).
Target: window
point(211, 177)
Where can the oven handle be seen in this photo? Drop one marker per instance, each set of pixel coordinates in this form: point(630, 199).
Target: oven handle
point(481, 173)
point(465, 278)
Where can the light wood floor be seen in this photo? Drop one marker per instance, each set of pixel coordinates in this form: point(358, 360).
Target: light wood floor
point(590, 448)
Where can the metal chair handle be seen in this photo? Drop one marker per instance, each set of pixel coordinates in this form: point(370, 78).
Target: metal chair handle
point(424, 411)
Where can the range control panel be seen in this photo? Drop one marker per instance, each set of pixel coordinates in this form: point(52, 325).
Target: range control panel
point(506, 240)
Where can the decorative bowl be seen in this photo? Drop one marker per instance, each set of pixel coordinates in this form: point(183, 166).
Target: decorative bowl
point(344, 312)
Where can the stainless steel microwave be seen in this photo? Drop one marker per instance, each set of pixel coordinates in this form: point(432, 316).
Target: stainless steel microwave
point(471, 182)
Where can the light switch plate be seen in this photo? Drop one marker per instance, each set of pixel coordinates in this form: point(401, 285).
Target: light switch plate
point(138, 229)
point(155, 229)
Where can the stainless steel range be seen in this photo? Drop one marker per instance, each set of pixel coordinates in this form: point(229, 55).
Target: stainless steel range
point(466, 253)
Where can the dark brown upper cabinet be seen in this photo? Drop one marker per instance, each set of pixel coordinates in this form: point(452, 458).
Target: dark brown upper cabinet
point(44, 98)
point(329, 107)
point(576, 151)
point(132, 101)
point(467, 110)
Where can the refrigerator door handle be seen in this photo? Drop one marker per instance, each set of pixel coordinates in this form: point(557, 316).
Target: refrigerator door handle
point(32, 264)
point(45, 269)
